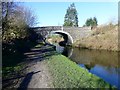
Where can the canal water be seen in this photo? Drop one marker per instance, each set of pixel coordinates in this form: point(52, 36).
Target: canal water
point(104, 64)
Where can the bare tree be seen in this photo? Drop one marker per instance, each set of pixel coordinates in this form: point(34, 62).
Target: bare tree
point(29, 17)
point(16, 20)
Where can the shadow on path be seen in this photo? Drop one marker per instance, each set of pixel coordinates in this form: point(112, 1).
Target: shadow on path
point(36, 54)
point(40, 53)
point(24, 84)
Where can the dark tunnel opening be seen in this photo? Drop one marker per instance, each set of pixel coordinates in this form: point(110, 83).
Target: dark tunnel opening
point(65, 37)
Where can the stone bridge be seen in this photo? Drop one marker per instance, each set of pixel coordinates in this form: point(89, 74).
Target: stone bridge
point(70, 34)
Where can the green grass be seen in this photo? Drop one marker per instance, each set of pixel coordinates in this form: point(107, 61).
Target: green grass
point(10, 72)
point(67, 74)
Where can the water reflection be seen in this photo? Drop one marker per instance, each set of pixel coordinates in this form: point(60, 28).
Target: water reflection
point(93, 57)
point(99, 62)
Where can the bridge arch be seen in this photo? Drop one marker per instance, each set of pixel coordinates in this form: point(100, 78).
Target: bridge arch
point(67, 37)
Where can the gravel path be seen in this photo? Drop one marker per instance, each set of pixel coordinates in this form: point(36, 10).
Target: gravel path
point(37, 74)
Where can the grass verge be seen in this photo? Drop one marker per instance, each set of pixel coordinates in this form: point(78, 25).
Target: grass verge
point(66, 74)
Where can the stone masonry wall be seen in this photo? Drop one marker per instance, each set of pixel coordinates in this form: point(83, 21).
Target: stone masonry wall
point(78, 32)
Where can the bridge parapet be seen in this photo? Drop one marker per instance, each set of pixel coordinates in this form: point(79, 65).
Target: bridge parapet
point(53, 28)
point(77, 28)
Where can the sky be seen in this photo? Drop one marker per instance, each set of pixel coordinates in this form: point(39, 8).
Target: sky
point(52, 13)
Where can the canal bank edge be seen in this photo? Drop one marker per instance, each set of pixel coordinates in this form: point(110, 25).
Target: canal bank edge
point(67, 74)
